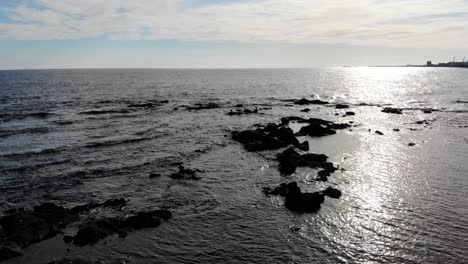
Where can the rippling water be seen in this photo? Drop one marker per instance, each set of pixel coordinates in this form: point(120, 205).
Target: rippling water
point(69, 137)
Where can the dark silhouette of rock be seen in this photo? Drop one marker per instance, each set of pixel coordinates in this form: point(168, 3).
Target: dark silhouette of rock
point(379, 133)
point(185, 174)
point(115, 202)
point(341, 106)
point(154, 175)
point(396, 130)
point(350, 113)
point(203, 106)
point(392, 110)
point(317, 127)
point(323, 175)
point(427, 111)
point(271, 137)
point(95, 230)
point(306, 110)
point(304, 146)
point(411, 144)
point(304, 101)
point(296, 200)
point(245, 111)
point(332, 193)
point(289, 160)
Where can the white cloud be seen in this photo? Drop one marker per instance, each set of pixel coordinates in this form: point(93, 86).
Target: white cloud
point(397, 23)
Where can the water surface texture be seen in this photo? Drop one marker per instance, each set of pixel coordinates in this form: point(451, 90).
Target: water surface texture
point(70, 137)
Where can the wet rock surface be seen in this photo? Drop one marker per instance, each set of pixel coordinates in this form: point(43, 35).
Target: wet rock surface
point(244, 111)
point(271, 137)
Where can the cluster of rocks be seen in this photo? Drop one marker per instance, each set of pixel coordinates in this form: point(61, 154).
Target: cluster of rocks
point(131, 107)
point(275, 136)
point(186, 174)
point(20, 228)
point(301, 202)
point(244, 111)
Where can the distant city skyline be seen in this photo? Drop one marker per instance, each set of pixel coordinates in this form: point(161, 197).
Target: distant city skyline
point(229, 33)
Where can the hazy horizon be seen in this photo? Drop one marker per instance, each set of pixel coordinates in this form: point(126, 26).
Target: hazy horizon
point(214, 34)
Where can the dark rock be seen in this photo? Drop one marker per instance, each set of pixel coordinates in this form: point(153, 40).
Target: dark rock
point(115, 202)
point(304, 101)
point(304, 202)
point(271, 137)
point(154, 175)
point(95, 230)
point(392, 110)
point(341, 106)
point(296, 200)
point(332, 193)
point(84, 208)
point(396, 130)
point(283, 189)
point(246, 111)
point(203, 106)
point(186, 174)
point(288, 161)
point(350, 113)
point(379, 133)
point(319, 128)
point(306, 110)
point(411, 144)
point(323, 175)
point(142, 105)
point(304, 146)
point(239, 105)
point(8, 251)
point(67, 239)
point(427, 111)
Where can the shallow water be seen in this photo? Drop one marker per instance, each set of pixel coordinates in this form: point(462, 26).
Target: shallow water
point(400, 204)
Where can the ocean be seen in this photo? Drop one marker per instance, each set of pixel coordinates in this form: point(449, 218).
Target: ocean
point(72, 137)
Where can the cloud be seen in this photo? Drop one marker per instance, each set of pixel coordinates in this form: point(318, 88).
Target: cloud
point(396, 23)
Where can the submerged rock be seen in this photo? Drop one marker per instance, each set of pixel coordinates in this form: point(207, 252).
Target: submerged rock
point(306, 110)
point(350, 113)
point(379, 133)
point(95, 230)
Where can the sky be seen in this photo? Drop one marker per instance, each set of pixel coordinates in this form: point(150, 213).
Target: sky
point(229, 33)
